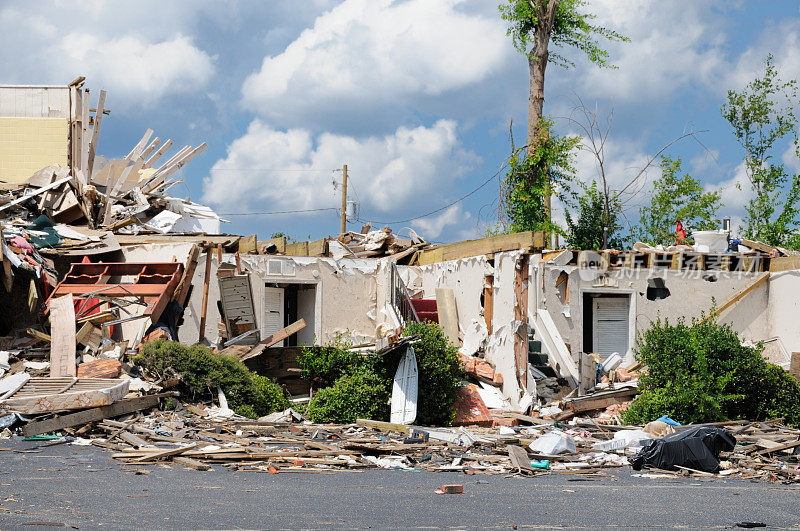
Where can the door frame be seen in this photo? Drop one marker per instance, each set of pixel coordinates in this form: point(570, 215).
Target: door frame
point(317, 324)
point(631, 294)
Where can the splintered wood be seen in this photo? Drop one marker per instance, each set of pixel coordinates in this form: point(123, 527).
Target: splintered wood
point(62, 345)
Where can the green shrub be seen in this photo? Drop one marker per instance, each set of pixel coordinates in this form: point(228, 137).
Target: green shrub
point(359, 385)
point(702, 373)
point(324, 365)
point(440, 374)
point(360, 394)
point(202, 371)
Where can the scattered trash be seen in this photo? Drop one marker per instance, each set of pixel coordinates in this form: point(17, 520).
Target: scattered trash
point(695, 448)
point(553, 443)
point(450, 489)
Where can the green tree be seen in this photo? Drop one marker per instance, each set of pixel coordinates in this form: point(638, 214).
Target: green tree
point(676, 197)
point(533, 26)
point(587, 230)
point(762, 115)
point(532, 176)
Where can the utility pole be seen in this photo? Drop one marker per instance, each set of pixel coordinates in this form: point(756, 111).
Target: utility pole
point(344, 199)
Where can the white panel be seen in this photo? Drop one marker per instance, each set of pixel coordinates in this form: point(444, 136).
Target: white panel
point(610, 325)
point(34, 102)
point(273, 312)
point(237, 304)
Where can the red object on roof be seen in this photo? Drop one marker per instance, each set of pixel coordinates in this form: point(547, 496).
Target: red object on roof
point(680, 234)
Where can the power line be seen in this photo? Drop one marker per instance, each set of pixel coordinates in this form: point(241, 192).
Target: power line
point(278, 212)
point(268, 169)
point(487, 181)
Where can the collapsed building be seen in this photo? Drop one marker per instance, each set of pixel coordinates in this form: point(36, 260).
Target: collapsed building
point(530, 323)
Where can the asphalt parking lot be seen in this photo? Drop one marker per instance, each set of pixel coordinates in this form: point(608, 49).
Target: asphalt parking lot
point(82, 487)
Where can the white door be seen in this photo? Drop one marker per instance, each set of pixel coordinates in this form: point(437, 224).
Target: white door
point(610, 331)
point(273, 313)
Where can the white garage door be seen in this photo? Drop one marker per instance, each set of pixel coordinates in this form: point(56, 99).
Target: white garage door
point(610, 325)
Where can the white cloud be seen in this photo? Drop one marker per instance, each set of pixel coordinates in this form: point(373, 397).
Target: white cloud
point(432, 226)
point(735, 192)
point(368, 52)
point(673, 43)
point(133, 68)
point(409, 169)
point(782, 41)
point(121, 47)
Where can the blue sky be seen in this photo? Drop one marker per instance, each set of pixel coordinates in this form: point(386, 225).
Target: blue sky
point(415, 96)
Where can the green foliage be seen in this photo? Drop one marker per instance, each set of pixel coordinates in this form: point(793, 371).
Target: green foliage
point(761, 116)
point(702, 373)
point(440, 374)
point(202, 371)
point(531, 177)
point(362, 393)
point(356, 385)
point(324, 365)
point(571, 29)
point(676, 197)
point(586, 232)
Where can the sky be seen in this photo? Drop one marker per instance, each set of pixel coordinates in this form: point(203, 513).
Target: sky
point(417, 97)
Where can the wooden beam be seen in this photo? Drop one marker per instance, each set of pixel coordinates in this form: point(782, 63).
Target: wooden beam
point(488, 302)
point(182, 291)
point(85, 134)
point(166, 453)
point(784, 263)
point(122, 407)
point(276, 338)
point(98, 119)
point(149, 149)
point(43, 189)
point(739, 295)
point(521, 316)
point(157, 155)
point(448, 314)
point(204, 307)
point(62, 331)
point(494, 244)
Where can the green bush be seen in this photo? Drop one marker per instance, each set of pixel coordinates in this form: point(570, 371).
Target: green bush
point(322, 366)
point(202, 371)
point(702, 373)
point(357, 385)
point(440, 374)
point(359, 394)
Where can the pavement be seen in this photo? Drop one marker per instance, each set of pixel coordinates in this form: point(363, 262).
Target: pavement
point(82, 487)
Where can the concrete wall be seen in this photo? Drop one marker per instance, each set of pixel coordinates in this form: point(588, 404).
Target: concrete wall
point(690, 294)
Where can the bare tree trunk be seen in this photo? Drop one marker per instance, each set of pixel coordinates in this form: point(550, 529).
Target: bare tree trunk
point(537, 63)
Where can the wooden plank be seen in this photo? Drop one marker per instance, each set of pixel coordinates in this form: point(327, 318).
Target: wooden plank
point(149, 149)
point(188, 462)
point(62, 331)
point(248, 244)
point(521, 316)
point(204, 307)
point(297, 249)
point(318, 247)
point(132, 439)
point(779, 448)
point(739, 295)
point(794, 365)
point(758, 246)
point(122, 407)
point(43, 189)
point(166, 453)
point(448, 314)
point(519, 459)
point(185, 284)
point(276, 338)
point(383, 426)
point(494, 244)
point(784, 263)
point(157, 155)
point(98, 119)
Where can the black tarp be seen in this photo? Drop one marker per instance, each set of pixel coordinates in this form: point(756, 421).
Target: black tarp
point(696, 448)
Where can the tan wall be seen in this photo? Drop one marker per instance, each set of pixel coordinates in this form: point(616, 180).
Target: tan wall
point(29, 144)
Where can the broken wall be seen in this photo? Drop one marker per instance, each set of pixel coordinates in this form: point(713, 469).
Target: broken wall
point(690, 293)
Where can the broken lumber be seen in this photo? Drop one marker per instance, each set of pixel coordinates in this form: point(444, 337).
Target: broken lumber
point(122, 407)
point(166, 453)
point(739, 295)
point(275, 338)
point(62, 329)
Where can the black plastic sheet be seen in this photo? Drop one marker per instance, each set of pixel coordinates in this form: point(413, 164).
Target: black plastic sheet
point(696, 448)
